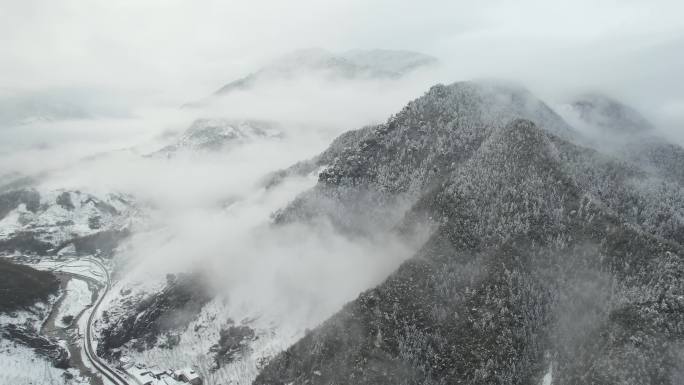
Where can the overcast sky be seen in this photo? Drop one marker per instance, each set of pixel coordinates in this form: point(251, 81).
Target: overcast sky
point(175, 50)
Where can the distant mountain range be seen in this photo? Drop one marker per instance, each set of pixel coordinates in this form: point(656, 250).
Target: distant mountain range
point(603, 112)
point(21, 107)
point(355, 64)
point(26, 109)
point(620, 130)
point(219, 134)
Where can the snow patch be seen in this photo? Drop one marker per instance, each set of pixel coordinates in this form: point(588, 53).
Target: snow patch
point(548, 377)
point(21, 366)
point(76, 298)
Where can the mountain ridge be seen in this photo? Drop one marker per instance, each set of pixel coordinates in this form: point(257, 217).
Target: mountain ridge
point(378, 64)
point(524, 241)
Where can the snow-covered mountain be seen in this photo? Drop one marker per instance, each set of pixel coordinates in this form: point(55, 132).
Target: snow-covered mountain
point(219, 134)
point(357, 64)
point(54, 245)
point(549, 255)
point(620, 130)
point(530, 229)
point(389, 62)
point(23, 107)
point(607, 113)
point(62, 222)
point(549, 259)
point(319, 63)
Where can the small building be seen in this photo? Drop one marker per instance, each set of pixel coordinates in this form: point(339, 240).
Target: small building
point(187, 375)
point(169, 380)
point(142, 376)
point(157, 373)
point(156, 376)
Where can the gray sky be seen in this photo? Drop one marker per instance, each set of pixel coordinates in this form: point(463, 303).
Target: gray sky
point(169, 52)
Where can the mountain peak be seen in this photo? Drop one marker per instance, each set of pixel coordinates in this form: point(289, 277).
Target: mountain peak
point(217, 134)
point(355, 64)
point(484, 103)
point(605, 112)
point(522, 141)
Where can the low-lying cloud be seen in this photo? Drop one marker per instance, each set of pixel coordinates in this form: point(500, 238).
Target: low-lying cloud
point(208, 211)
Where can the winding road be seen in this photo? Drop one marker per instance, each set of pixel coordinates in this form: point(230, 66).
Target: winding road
point(99, 365)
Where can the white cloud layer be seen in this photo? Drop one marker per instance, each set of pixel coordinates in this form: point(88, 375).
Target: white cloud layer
point(175, 51)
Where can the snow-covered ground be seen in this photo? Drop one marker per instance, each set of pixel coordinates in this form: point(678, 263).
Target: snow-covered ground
point(271, 337)
point(548, 376)
point(216, 134)
point(19, 365)
point(272, 334)
point(81, 266)
point(34, 316)
point(76, 297)
point(11, 223)
point(64, 215)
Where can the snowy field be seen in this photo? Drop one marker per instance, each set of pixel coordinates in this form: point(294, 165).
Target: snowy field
point(76, 297)
point(272, 333)
point(21, 366)
point(35, 316)
point(272, 337)
point(82, 266)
